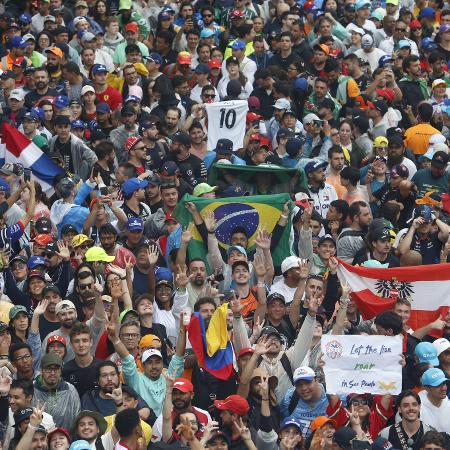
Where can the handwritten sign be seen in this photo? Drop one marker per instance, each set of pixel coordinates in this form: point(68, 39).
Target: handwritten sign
point(362, 364)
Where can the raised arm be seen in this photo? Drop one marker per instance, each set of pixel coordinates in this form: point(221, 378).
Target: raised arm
point(405, 243)
point(167, 409)
point(186, 237)
point(259, 265)
point(263, 242)
point(294, 312)
point(26, 219)
point(35, 422)
point(152, 254)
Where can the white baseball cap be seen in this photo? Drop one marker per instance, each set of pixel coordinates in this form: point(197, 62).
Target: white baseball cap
point(149, 353)
point(304, 373)
point(437, 139)
point(17, 94)
point(310, 118)
point(441, 345)
point(289, 263)
point(63, 305)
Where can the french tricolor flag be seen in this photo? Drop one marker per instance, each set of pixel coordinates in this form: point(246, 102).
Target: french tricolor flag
point(17, 148)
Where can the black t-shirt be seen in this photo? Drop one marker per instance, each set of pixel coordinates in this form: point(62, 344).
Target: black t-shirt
point(46, 327)
point(65, 151)
point(192, 169)
point(284, 63)
point(130, 213)
point(286, 330)
point(386, 193)
point(363, 255)
point(428, 246)
point(33, 97)
point(83, 378)
point(155, 206)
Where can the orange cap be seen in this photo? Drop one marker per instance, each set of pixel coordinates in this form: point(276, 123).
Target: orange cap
point(320, 421)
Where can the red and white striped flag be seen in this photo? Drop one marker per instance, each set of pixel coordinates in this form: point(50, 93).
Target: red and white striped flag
point(375, 290)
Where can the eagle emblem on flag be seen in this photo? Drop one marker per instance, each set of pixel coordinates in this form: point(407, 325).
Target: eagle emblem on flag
point(394, 289)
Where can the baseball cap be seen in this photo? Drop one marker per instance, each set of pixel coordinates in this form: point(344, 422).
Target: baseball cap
point(183, 385)
point(77, 125)
point(379, 105)
point(182, 138)
point(433, 377)
point(25, 19)
point(184, 58)
point(274, 296)
point(64, 305)
point(310, 118)
point(11, 169)
point(51, 359)
point(426, 353)
point(99, 68)
point(203, 188)
point(149, 353)
point(360, 4)
point(62, 120)
point(135, 224)
point(202, 69)
point(440, 160)
point(282, 103)
point(214, 63)
point(293, 145)
point(426, 12)
point(132, 26)
point(57, 338)
point(22, 414)
point(16, 310)
point(381, 443)
point(68, 228)
point(36, 274)
point(239, 263)
point(403, 43)
point(239, 248)
point(238, 45)
point(18, 41)
point(326, 237)
point(399, 170)
point(131, 142)
point(289, 263)
point(31, 115)
point(29, 36)
point(304, 373)
point(17, 94)
point(353, 27)
point(224, 146)
point(301, 84)
point(367, 41)
point(233, 403)
point(441, 345)
point(51, 288)
point(147, 340)
point(86, 89)
point(312, 166)
point(169, 168)
point(387, 93)
point(154, 57)
point(395, 139)
point(439, 81)
point(98, 254)
point(36, 261)
point(270, 331)
point(163, 276)
point(132, 185)
point(246, 351)
point(380, 142)
point(291, 422)
point(423, 211)
point(132, 98)
point(55, 51)
point(320, 421)
point(385, 59)
point(206, 33)
point(20, 258)
point(380, 234)
point(343, 437)
point(102, 108)
point(428, 44)
point(236, 13)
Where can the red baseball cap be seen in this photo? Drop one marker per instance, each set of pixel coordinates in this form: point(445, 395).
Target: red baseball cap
point(184, 58)
point(386, 93)
point(42, 239)
point(251, 117)
point(255, 137)
point(183, 385)
point(246, 351)
point(237, 13)
point(57, 338)
point(214, 64)
point(170, 218)
point(59, 430)
point(233, 403)
point(131, 142)
point(132, 26)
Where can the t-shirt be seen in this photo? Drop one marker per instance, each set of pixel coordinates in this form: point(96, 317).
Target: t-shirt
point(192, 169)
point(425, 182)
point(110, 96)
point(65, 151)
point(226, 120)
point(83, 378)
point(429, 247)
point(46, 327)
point(417, 137)
point(437, 417)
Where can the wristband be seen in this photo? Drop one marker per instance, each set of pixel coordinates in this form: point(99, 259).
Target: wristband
point(117, 342)
point(260, 285)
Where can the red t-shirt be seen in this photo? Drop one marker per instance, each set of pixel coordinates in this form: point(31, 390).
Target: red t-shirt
point(110, 96)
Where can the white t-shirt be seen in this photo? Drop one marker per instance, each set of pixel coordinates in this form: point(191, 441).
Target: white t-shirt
point(227, 120)
point(433, 416)
point(280, 287)
point(371, 57)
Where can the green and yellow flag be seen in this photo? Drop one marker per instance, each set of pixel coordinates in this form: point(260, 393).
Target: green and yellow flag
point(251, 213)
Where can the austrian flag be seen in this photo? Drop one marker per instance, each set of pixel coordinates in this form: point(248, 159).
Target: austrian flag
point(375, 290)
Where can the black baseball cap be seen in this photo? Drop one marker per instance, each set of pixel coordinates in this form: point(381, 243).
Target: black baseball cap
point(43, 225)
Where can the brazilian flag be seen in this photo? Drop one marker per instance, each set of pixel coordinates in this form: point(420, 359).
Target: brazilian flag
point(251, 213)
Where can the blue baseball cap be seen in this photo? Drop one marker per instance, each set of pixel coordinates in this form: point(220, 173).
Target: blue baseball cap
point(77, 124)
point(35, 261)
point(202, 68)
point(239, 248)
point(81, 444)
point(32, 115)
point(99, 68)
point(238, 45)
point(385, 59)
point(403, 43)
point(315, 165)
point(360, 4)
point(423, 211)
point(132, 98)
point(132, 185)
point(426, 353)
point(25, 19)
point(433, 377)
point(206, 33)
point(163, 276)
point(233, 191)
point(427, 12)
point(4, 186)
point(301, 84)
point(155, 57)
point(39, 112)
point(103, 108)
point(18, 41)
point(317, 14)
point(290, 422)
point(62, 101)
point(135, 224)
point(428, 44)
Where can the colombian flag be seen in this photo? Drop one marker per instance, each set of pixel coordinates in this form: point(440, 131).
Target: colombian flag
point(212, 346)
point(248, 212)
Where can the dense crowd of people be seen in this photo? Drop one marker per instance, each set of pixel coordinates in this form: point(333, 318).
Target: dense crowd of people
point(122, 325)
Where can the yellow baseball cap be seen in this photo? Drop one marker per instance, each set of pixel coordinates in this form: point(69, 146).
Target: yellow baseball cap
point(380, 141)
point(98, 254)
point(149, 340)
point(81, 239)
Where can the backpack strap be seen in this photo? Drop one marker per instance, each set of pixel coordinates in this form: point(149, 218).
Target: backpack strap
point(287, 367)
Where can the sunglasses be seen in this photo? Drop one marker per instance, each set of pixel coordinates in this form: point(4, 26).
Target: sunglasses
point(83, 287)
point(209, 95)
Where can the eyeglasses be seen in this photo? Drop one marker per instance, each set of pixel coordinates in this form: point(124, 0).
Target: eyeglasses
point(130, 335)
point(18, 266)
point(362, 402)
point(51, 369)
point(23, 358)
point(140, 148)
point(83, 287)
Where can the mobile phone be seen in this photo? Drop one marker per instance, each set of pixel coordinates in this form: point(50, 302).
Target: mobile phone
point(104, 190)
point(219, 277)
point(95, 172)
point(27, 174)
point(318, 122)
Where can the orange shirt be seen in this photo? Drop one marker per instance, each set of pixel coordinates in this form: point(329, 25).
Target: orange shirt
point(249, 304)
point(335, 181)
point(417, 137)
